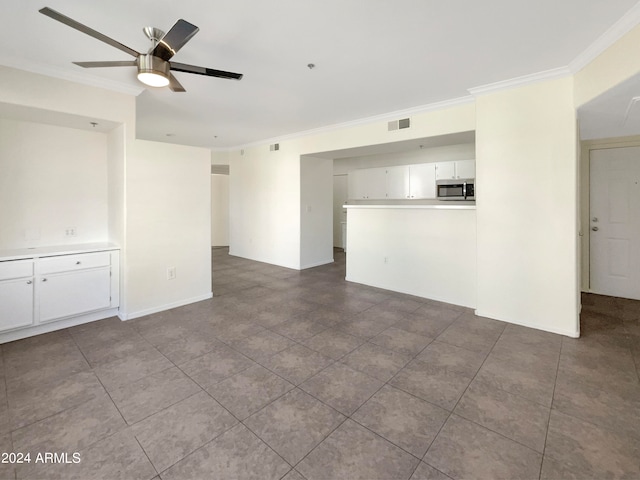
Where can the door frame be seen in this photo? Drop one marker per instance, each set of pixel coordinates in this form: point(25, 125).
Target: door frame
point(586, 146)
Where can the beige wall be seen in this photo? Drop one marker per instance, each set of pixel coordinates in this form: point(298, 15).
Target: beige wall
point(219, 210)
point(526, 176)
point(51, 178)
point(616, 64)
point(168, 225)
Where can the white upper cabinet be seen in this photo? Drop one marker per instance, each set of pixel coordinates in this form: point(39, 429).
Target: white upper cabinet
point(406, 181)
point(368, 184)
point(397, 182)
point(465, 169)
point(455, 170)
point(422, 181)
point(445, 170)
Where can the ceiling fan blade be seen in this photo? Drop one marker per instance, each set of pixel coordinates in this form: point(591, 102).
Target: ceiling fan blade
point(209, 72)
point(84, 29)
point(126, 63)
point(174, 39)
point(174, 84)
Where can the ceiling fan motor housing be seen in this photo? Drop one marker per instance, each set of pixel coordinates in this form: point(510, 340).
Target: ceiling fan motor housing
point(148, 63)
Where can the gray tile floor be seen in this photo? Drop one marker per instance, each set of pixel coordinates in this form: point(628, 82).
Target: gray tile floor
point(295, 375)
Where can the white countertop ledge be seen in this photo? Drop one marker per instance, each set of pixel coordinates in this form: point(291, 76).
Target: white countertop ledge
point(423, 207)
point(50, 251)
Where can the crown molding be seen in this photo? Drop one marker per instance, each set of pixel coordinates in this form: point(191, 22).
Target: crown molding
point(521, 81)
point(614, 33)
point(64, 74)
point(454, 102)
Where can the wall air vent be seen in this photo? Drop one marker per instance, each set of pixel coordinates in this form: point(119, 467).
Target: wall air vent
point(219, 169)
point(400, 124)
point(275, 147)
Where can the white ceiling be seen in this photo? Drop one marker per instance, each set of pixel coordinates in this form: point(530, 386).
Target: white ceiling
point(372, 56)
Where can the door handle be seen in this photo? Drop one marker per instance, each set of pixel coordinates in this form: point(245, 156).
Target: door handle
point(595, 229)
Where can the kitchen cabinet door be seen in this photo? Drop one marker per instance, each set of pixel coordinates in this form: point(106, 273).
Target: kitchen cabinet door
point(422, 181)
point(16, 303)
point(465, 169)
point(356, 185)
point(72, 293)
point(376, 183)
point(445, 170)
point(397, 182)
point(368, 183)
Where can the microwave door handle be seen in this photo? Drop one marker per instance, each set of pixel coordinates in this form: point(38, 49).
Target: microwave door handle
point(464, 190)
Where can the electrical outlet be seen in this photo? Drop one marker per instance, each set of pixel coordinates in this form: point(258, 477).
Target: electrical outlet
point(171, 273)
point(70, 232)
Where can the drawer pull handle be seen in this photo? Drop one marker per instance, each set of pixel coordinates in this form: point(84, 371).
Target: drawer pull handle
point(29, 282)
point(78, 262)
point(44, 279)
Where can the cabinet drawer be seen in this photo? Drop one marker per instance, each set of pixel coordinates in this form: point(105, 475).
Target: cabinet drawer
point(16, 269)
point(69, 263)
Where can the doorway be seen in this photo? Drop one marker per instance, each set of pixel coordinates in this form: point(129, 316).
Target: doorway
point(614, 222)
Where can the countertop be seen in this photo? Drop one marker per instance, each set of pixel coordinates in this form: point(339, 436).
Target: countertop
point(423, 207)
point(49, 251)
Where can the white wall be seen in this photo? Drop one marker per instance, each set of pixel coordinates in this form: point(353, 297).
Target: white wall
point(51, 178)
point(219, 210)
point(168, 225)
point(316, 211)
point(340, 197)
point(425, 252)
point(527, 211)
point(264, 196)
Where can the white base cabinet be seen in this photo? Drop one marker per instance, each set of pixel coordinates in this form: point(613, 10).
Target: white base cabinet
point(38, 291)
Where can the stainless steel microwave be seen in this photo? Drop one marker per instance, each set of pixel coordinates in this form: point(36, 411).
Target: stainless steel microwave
point(458, 189)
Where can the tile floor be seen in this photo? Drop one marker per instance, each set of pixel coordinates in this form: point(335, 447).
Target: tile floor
point(300, 375)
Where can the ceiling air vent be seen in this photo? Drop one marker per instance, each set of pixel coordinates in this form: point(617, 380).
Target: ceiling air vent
point(275, 147)
point(400, 124)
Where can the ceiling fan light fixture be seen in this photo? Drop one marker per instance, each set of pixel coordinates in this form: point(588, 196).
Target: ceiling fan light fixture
point(153, 71)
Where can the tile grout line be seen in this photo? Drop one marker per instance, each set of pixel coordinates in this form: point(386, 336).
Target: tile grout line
point(553, 400)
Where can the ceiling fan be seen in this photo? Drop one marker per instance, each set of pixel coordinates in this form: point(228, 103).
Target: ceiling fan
point(154, 67)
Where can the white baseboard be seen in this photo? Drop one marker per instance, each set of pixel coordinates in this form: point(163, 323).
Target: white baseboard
point(546, 328)
point(161, 308)
point(317, 264)
point(413, 293)
point(56, 325)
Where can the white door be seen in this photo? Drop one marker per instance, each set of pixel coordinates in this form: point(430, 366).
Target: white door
point(614, 227)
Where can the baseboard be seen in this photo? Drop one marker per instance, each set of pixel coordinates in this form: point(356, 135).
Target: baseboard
point(262, 260)
point(317, 264)
point(168, 306)
point(568, 333)
point(409, 292)
point(57, 325)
